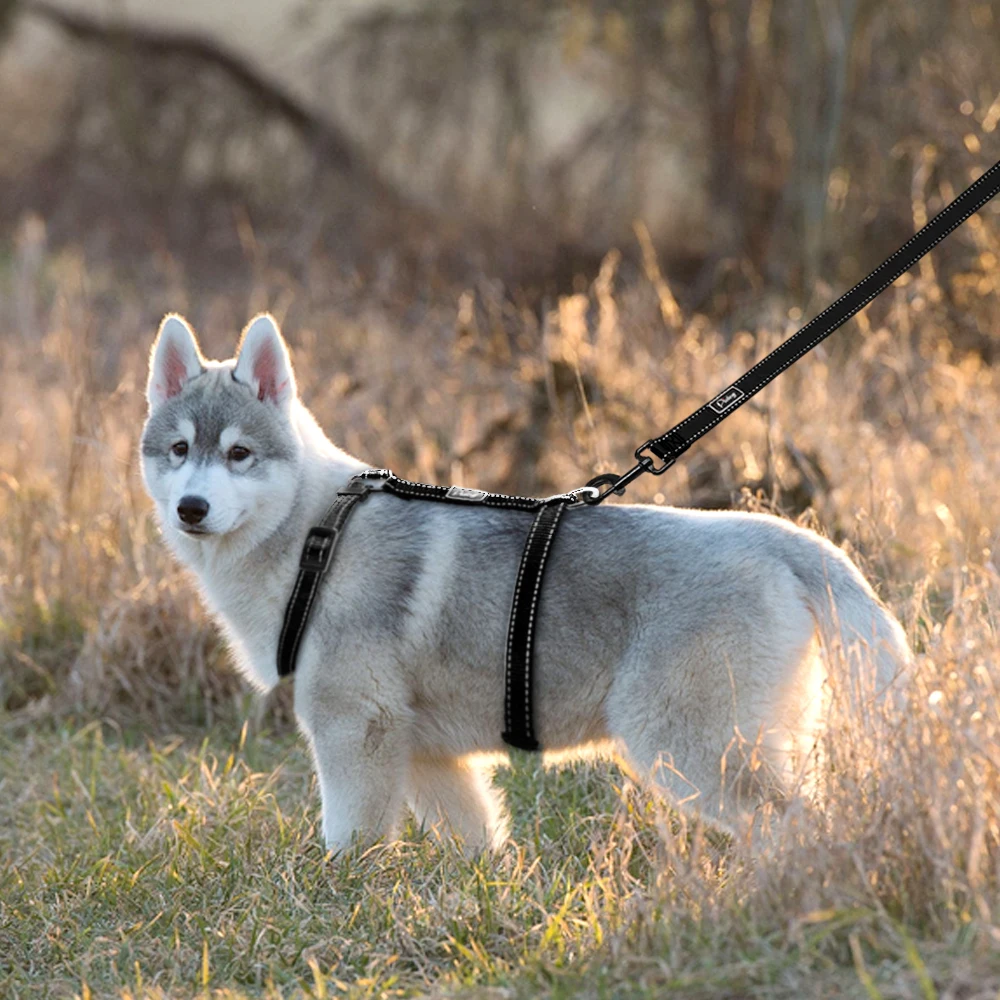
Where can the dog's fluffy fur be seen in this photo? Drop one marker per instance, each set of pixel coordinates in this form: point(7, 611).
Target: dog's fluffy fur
point(676, 637)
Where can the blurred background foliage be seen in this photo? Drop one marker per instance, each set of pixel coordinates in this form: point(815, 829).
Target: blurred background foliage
point(762, 144)
point(507, 242)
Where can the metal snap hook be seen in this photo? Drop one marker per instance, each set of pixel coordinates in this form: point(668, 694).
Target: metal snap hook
point(582, 495)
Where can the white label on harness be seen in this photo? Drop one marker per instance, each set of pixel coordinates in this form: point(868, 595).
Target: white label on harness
point(724, 400)
point(464, 493)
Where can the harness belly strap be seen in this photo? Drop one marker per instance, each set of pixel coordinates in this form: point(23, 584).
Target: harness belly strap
point(518, 688)
point(317, 555)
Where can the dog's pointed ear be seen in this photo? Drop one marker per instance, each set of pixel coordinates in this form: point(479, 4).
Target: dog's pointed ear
point(174, 360)
point(262, 362)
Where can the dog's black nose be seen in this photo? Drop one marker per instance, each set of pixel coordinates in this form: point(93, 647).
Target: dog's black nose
point(192, 510)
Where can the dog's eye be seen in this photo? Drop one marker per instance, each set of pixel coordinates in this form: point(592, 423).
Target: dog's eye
point(238, 453)
point(180, 449)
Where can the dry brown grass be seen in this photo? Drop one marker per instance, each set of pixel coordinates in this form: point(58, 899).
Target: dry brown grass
point(886, 439)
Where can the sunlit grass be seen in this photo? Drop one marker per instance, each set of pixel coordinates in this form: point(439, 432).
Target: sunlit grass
point(136, 862)
point(139, 860)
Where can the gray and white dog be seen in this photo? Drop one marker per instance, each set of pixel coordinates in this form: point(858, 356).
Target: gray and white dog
point(677, 638)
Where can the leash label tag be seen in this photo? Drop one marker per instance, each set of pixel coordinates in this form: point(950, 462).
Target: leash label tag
point(466, 494)
point(726, 399)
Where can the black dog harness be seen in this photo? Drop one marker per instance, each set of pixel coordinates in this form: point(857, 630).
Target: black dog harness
point(317, 554)
point(520, 730)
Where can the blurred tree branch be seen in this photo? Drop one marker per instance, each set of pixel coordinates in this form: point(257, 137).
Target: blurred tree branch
point(331, 142)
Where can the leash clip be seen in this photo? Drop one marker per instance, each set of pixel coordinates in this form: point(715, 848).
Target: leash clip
point(648, 462)
point(644, 463)
point(579, 497)
point(616, 484)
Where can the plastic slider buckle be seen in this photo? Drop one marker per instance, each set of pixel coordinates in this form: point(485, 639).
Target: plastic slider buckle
point(318, 550)
point(357, 488)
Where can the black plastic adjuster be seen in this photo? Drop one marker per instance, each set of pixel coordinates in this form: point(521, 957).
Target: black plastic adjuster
point(318, 550)
point(357, 487)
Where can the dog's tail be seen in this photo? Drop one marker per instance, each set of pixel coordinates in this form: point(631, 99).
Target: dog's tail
point(854, 625)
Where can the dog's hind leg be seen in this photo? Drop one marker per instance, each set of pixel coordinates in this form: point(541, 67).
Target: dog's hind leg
point(713, 729)
point(458, 796)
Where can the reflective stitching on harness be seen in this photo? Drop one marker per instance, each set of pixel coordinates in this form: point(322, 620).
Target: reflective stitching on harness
point(434, 492)
point(311, 579)
point(513, 618)
point(287, 622)
point(313, 589)
point(551, 533)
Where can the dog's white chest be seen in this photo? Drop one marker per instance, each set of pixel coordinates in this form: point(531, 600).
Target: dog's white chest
point(250, 607)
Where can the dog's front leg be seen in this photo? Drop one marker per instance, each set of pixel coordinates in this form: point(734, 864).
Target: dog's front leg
point(361, 760)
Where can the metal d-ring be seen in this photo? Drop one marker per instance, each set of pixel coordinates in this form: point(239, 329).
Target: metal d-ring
point(578, 500)
point(605, 479)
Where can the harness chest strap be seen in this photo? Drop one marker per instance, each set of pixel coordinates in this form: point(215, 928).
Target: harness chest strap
point(317, 554)
point(321, 542)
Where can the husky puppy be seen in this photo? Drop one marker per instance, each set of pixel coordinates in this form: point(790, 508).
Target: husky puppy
point(677, 638)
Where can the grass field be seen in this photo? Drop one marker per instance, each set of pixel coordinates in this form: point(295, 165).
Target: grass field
point(158, 827)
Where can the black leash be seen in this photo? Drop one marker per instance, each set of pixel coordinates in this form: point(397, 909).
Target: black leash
point(670, 446)
point(519, 730)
